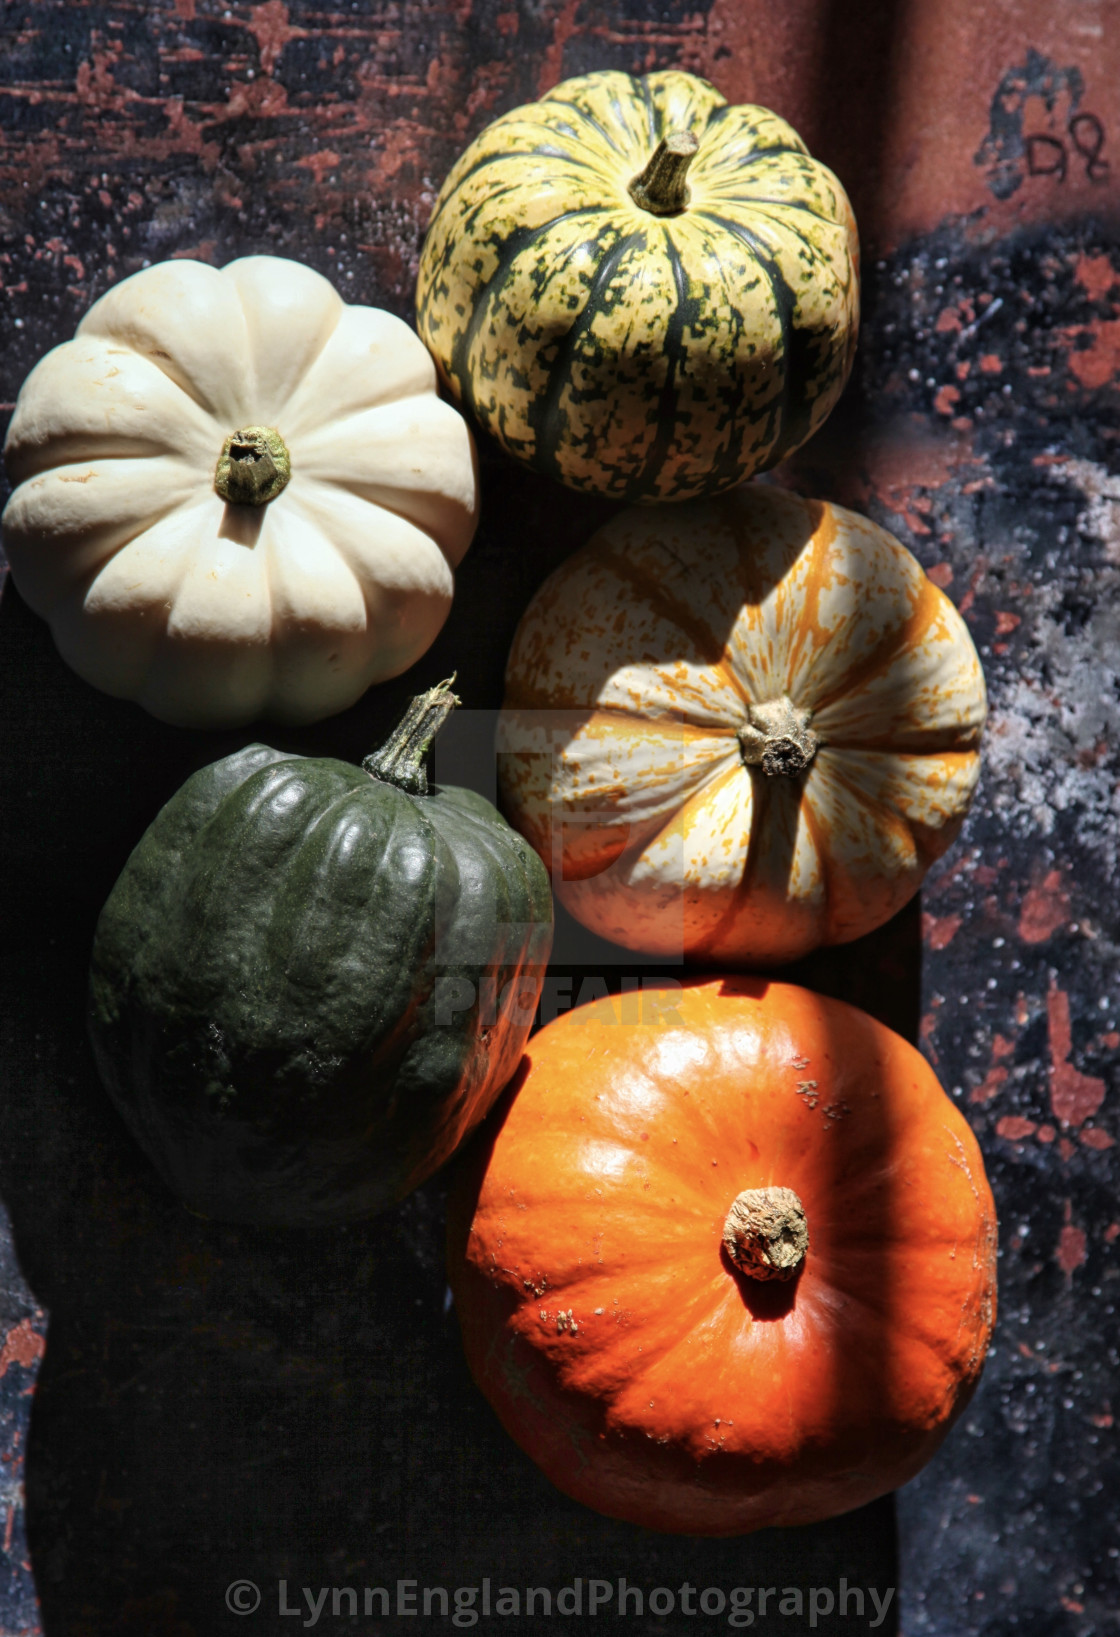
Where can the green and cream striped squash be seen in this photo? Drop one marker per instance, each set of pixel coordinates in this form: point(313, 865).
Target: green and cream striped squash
point(644, 351)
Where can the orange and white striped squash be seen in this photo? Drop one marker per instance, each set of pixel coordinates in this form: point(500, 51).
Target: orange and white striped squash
point(738, 729)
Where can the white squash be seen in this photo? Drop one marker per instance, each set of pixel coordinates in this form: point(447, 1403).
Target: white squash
point(739, 729)
point(289, 597)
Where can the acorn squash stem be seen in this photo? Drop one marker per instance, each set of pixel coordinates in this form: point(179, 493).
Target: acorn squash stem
point(662, 187)
point(400, 760)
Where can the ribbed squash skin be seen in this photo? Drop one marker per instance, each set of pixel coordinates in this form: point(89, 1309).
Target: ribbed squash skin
point(280, 980)
point(606, 1325)
point(627, 354)
point(207, 613)
point(632, 674)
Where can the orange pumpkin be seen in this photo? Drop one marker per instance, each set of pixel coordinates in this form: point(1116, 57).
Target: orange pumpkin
point(728, 1264)
point(738, 729)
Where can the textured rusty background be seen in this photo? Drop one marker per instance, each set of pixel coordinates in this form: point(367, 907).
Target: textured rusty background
point(215, 1403)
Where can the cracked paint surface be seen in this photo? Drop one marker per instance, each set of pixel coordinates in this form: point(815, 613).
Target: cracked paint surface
point(987, 439)
point(23, 1326)
point(981, 428)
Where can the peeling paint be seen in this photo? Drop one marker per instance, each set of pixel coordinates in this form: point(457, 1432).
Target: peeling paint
point(1017, 516)
point(981, 427)
point(1074, 1097)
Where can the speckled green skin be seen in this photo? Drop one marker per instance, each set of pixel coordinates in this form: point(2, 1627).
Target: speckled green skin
point(641, 356)
point(282, 979)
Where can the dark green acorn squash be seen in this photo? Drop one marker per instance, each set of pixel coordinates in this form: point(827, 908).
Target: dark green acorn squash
point(312, 979)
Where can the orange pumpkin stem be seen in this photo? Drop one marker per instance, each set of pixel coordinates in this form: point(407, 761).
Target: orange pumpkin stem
point(766, 1234)
point(778, 738)
point(662, 187)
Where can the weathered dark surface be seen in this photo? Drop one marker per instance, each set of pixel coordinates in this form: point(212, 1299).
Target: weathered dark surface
point(988, 442)
point(215, 1403)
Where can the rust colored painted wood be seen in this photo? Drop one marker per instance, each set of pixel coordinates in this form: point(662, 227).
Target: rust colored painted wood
point(214, 1403)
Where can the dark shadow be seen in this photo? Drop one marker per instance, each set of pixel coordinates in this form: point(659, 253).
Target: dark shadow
point(763, 1301)
point(242, 524)
point(858, 50)
point(879, 973)
point(218, 1403)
